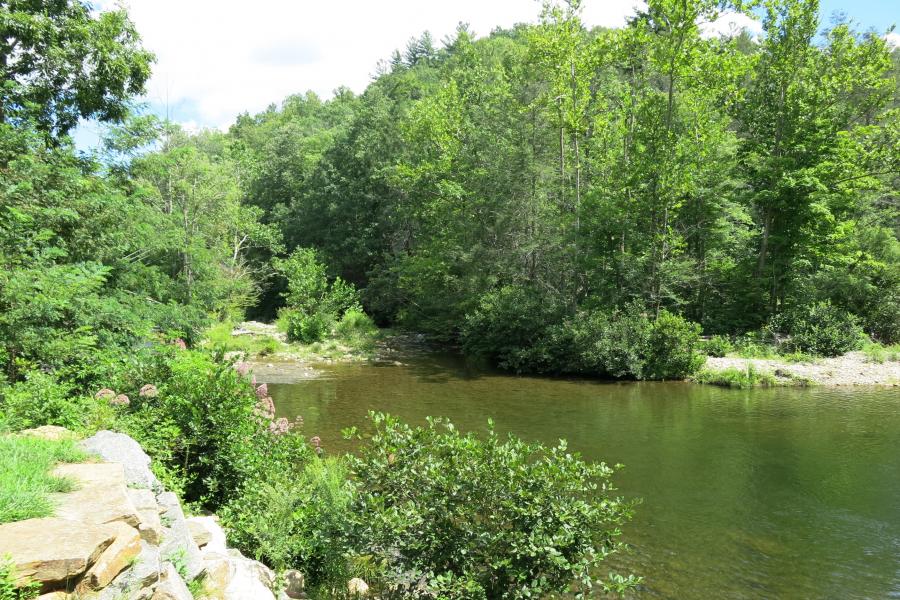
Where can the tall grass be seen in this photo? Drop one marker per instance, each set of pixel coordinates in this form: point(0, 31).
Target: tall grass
point(25, 477)
point(878, 353)
point(733, 377)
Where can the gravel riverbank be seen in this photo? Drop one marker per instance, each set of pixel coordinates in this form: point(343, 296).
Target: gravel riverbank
point(849, 369)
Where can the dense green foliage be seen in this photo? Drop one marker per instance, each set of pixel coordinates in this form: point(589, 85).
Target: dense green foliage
point(482, 517)
point(313, 304)
point(820, 329)
point(556, 199)
point(550, 171)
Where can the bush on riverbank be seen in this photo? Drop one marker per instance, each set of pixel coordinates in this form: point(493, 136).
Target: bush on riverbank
point(487, 517)
point(819, 329)
point(515, 329)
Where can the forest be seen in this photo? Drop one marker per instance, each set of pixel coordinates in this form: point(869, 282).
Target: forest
point(552, 198)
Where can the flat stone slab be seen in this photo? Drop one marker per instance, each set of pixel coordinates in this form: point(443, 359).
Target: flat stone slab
point(100, 497)
point(120, 448)
point(54, 551)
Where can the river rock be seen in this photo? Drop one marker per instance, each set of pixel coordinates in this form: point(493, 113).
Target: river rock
point(120, 448)
point(237, 578)
point(53, 551)
point(100, 496)
point(144, 502)
point(113, 561)
point(177, 537)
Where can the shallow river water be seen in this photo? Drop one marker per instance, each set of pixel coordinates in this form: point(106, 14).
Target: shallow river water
point(782, 493)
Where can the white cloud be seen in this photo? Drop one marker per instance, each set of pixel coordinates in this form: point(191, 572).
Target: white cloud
point(217, 58)
point(731, 23)
point(893, 39)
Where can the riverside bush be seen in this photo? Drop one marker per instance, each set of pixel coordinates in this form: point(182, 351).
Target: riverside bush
point(820, 329)
point(297, 518)
point(718, 346)
point(517, 330)
point(485, 517)
point(672, 348)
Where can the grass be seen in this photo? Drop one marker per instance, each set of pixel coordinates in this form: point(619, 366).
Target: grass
point(219, 336)
point(25, 480)
point(354, 335)
point(733, 377)
point(878, 353)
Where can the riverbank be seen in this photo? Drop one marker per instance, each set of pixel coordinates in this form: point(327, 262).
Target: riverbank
point(851, 369)
point(275, 360)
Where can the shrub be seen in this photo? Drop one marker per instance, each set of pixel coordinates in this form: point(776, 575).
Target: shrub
point(507, 321)
point(306, 328)
point(623, 343)
point(672, 348)
point(718, 345)
point(41, 400)
point(482, 517)
point(820, 328)
point(297, 518)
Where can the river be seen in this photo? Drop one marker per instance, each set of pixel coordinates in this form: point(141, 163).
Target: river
point(771, 493)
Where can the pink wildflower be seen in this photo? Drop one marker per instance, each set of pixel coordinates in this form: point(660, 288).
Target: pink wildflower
point(262, 391)
point(148, 391)
point(105, 393)
point(265, 408)
point(242, 369)
point(179, 343)
point(121, 400)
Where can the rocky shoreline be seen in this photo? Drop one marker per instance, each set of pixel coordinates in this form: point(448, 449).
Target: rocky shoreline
point(851, 369)
point(120, 535)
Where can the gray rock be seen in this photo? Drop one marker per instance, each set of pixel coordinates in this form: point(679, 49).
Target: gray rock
point(178, 544)
point(141, 575)
point(120, 448)
point(293, 583)
point(171, 586)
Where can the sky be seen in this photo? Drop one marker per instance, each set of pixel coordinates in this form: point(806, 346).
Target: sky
point(219, 58)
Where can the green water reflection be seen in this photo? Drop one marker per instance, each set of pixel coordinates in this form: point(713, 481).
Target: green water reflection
point(785, 493)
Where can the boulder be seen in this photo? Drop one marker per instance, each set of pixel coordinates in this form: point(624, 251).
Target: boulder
point(293, 583)
point(177, 538)
point(199, 532)
point(144, 502)
point(49, 432)
point(113, 561)
point(358, 587)
point(53, 551)
point(100, 497)
point(120, 448)
point(171, 586)
point(207, 533)
point(237, 578)
point(141, 575)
